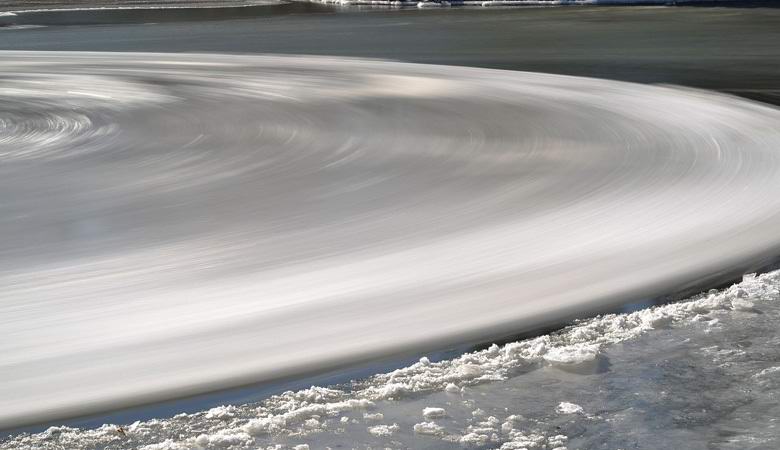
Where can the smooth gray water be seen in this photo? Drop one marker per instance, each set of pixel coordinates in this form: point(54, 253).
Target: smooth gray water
point(726, 49)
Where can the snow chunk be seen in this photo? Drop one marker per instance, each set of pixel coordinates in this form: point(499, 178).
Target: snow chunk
point(507, 426)
point(373, 417)
point(228, 438)
point(475, 439)
point(469, 371)
point(221, 412)
point(383, 430)
point(569, 408)
point(572, 354)
point(530, 441)
point(429, 428)
point(167, 444)
point(739, 304)
point(265, 425)
point(433, 413)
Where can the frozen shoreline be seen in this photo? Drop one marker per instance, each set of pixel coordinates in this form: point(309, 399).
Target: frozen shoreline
point(363, 411)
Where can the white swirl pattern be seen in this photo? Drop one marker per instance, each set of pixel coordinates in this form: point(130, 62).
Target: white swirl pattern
point(172, 224)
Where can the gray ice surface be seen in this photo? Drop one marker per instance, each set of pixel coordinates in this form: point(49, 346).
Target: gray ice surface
point(173, 224)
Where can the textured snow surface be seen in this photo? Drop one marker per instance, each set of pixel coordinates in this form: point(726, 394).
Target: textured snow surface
point(692, 368)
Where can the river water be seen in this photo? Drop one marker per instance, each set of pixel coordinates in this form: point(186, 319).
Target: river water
point(725, 49)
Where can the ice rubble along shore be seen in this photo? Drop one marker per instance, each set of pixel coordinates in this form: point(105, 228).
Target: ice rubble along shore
point(311, 412)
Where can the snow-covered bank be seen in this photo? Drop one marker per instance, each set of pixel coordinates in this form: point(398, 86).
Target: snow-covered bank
point(526, 394)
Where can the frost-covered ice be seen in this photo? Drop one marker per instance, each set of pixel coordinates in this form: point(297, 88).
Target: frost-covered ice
point(701, 373)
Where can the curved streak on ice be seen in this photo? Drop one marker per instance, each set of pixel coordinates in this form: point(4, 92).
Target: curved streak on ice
point(179, 223)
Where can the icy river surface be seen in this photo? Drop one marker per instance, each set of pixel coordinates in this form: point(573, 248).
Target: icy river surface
point(700, 374)
point(344, 209)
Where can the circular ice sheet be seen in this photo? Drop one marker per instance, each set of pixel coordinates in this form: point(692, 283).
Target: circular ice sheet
point(173, 224)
